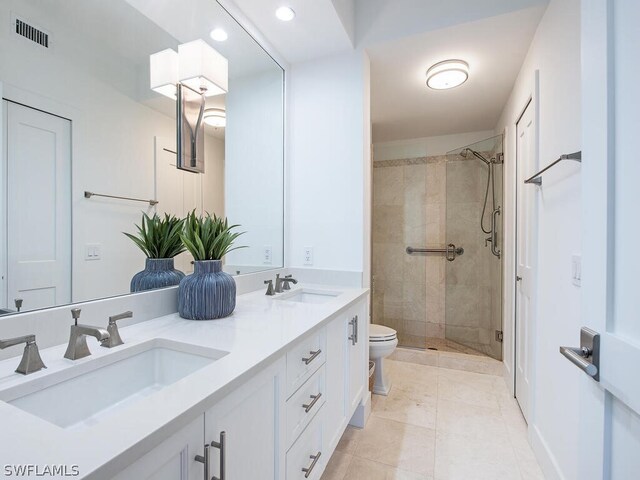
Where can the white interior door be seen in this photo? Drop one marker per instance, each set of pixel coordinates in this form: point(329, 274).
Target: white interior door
point(526, 255)
point(610, 408)
point(38, 186)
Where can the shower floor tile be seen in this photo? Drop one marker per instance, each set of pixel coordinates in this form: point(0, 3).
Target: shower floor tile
point(438, 424)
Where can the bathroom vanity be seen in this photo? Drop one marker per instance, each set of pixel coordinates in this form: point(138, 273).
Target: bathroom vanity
point(263, 394)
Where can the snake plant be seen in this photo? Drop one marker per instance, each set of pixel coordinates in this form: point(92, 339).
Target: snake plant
point(159, 237)
point(209, 237)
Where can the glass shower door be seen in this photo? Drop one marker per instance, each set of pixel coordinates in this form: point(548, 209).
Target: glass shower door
point(473, 281)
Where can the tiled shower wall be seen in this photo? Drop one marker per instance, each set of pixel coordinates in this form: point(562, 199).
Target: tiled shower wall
point(409, 209)
point(429, 202)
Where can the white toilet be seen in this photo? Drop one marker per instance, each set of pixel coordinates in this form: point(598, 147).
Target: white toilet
point(382, 342)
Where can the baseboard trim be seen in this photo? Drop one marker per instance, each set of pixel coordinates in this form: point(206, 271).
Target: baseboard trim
point(546, 459)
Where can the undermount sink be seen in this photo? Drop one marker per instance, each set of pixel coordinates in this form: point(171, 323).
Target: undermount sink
point(306, 295)
point(90, 391)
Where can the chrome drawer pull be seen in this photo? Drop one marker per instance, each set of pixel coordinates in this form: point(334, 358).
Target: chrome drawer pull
point(307, 471)
point(204, 459)
point(314, 400)
point(221, 446)
point(313, 356)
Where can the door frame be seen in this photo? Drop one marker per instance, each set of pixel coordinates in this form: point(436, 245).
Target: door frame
point(50, 106)
point(510, 266)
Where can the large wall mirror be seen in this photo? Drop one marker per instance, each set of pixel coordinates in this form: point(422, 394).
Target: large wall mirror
point(78, 115)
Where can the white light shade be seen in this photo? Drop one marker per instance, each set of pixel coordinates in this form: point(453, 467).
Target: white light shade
point(163, 72)
point(447, 74)
point(215, 117)
point(203, 69)
point(286, 14)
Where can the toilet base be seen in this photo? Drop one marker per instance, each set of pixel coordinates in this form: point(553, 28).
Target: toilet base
point(382, 382)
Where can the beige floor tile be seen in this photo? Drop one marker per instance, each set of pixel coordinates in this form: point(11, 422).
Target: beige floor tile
point(398, 445)
point(362, 469)
point(460, 418)
point(410, 403)
point(463, 390)
point(349, 440)
point(463, 457)
point(337, 467)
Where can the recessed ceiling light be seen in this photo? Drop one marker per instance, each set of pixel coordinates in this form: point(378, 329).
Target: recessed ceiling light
point(285, 14)
point(219, 35)
point(447, 74)
point(215, 117)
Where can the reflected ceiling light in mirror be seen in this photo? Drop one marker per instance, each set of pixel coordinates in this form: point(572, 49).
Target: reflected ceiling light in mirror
point(163, 72)
point(219, 35)
point(447, 74)
point(215, 117)
point(202, 68)
point(286, 14)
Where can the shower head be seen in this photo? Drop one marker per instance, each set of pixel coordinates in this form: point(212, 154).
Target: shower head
point(465, 151)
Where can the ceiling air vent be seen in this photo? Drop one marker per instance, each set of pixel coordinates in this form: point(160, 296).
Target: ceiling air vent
point(34, 34)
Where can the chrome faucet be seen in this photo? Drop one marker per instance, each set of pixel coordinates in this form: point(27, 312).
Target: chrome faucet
point(77, 347)
point(31, 360)
point(282, 284)
point(114, 335)
point(269, 284)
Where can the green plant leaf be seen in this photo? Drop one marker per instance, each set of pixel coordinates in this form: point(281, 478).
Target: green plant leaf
point(159, 237)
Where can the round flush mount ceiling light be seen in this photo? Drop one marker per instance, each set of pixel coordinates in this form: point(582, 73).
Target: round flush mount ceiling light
point(447, 74)
point(219, 35)
point(286, 14)
point(215, 117)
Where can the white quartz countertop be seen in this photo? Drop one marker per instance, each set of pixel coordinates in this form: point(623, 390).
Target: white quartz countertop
point(258, 332)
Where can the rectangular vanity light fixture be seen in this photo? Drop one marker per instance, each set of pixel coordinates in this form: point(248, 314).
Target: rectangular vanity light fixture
point(163, 72)
point(203, 69)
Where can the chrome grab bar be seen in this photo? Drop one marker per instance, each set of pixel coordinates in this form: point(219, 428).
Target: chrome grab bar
point(451, 251)
point(494, 233)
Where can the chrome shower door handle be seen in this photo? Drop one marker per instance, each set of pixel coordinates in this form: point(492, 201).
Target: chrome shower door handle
point(494, 233)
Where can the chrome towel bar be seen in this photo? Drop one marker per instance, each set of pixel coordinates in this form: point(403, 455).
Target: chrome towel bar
point(93, 194)
point(537, 180)
point(451, 251)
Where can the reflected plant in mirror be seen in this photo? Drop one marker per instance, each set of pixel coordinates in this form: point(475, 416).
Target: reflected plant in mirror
point(160, 240)
point(209, 292)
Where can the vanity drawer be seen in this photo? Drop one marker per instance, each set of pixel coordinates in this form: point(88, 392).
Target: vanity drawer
point(304, 404)
point(305, 459)
point(304, 359)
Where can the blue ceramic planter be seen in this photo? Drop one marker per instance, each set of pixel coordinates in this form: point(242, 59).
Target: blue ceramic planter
point(207, 293)
point(158, 273)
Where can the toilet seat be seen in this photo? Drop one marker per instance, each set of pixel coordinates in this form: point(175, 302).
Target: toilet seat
point(380, 333)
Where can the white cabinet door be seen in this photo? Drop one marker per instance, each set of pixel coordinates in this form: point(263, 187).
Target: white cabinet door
point(357, 346)
point(173, 459)
point(336, 382)
point(246, 424)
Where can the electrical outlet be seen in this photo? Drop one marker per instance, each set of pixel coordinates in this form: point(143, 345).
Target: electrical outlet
point(308, 255)
point(93, 251)
point(576, 270)
point(267, 255)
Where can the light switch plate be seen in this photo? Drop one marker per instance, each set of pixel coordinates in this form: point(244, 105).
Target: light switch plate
point(93, 251)
point(576, 270)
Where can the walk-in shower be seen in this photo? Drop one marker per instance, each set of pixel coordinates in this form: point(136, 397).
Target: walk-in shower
point(437, 240)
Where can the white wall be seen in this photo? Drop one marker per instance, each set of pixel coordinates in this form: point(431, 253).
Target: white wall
point(426, 146)
point(555, 53)
point(255, 167)
point(329, 148)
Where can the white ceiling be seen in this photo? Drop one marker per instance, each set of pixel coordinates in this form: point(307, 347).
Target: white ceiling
point(403, 107)
point(325, 27)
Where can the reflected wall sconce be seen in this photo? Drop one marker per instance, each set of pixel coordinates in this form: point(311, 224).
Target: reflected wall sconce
point(189, 75)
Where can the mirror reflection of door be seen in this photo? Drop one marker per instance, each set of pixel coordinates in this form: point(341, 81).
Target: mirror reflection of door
point(37, 233)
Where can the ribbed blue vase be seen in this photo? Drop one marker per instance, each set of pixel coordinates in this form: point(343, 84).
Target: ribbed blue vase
point(158, 273)
point(207, 293)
